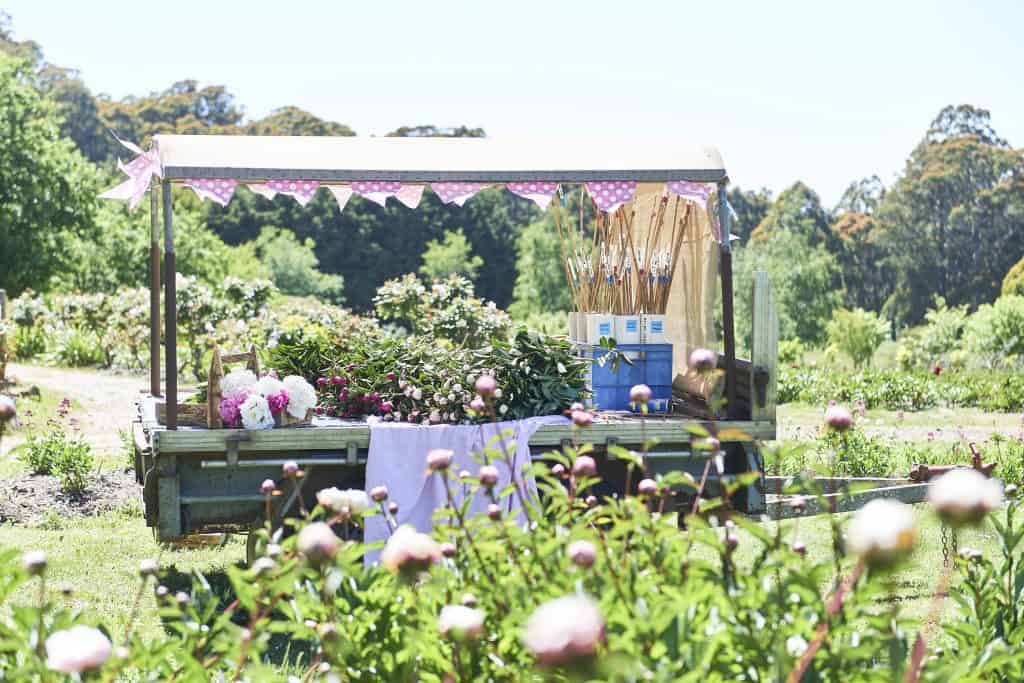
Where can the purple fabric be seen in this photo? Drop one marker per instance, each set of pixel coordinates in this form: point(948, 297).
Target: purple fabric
point(612, 194)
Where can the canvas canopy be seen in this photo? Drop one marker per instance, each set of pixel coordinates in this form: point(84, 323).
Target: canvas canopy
point(433, 159)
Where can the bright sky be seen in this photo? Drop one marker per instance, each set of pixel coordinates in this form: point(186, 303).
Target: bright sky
point(826, 92)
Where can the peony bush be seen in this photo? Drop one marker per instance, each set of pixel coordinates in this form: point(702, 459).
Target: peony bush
point(660, 585)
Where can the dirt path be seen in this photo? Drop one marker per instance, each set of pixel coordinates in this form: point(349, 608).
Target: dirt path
point(105, 402)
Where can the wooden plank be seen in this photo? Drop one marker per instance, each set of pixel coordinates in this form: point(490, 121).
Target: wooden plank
point(777, 484)
point(339, 435)
point(781, 508)
point(764, 347)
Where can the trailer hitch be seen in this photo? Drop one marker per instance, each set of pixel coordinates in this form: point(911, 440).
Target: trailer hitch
point(922, 472)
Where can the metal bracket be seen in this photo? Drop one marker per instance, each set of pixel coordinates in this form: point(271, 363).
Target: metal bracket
point(761, 376)
point(611, 441)
point(352, 453)
point(566, 443)
point(231, 441)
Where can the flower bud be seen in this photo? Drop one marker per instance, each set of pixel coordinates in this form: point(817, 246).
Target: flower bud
point(591, 501)
point(494, 512)
point(582, 418)
point(317, 542)
point(290, 468)
point(640, 393)
point(448, 550)
point(148, 567)
point(267, 487)
point(485, 386)
point(647, 487)
point(34, 562)
point(460, 622)
point(703, 361)
point(477, 405)
point(582, 554)
point(439, 459)
point(182, 598)
point(393, 508)
point(379, 494)
point(838, 418)
point(161, 592)
point(798, 503)
point(488, 476)
point(584, 467)
point(77, 650)
point(469, 600)
point(576, 406)
point(558, 470)
point(565, 631)
point(409, 551)
point(882, 532)
point(799, 548)
point(263, 566)
point(964, 496)
point(970, 555)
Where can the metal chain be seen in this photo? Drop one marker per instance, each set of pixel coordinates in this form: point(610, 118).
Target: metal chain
point(945, 544)
point(956, 544)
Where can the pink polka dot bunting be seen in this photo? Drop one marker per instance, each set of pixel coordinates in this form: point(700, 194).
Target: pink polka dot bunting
point(539, 193)
point(696, 192)
point(219, 190)
point(301, 190)
point(410, 195)
point(611, 194)
point(377, 191)
point(457, 193)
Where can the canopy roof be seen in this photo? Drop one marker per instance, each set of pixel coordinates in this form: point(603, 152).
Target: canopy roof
point(326, 159)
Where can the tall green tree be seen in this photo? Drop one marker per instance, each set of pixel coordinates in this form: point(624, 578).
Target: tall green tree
point(953, 223)
point(867, 280)
point(798, 211)
point(540, 274)
point(750, 207)
point(295, 121)
point(47, 189)
point(451, 255)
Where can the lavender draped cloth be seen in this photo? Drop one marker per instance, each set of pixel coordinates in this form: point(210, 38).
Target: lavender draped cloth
point(398, 460)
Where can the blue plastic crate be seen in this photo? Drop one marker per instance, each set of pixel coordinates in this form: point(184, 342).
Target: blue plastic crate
point(652, 365)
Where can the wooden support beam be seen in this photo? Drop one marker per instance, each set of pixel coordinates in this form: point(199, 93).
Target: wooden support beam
point(154, 292)
point(170, 312)
point(781, 508)
point(764, 350)
point(728, 304)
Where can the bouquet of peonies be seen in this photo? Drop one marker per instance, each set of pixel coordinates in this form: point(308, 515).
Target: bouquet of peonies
point(265, 402)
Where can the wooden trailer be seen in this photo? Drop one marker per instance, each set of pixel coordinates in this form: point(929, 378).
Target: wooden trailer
point(206, 480)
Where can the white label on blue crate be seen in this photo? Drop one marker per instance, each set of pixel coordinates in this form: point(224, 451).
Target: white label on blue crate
point(604, 329)
point(657, 326)
point(631, 325)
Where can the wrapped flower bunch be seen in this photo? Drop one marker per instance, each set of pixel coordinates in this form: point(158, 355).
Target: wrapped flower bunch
point(263, 402)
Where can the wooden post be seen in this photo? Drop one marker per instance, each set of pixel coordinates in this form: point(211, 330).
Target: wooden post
point(764, 350)
point(728, 315)
point(170, 312)
point(154, 292)
point(3, 304)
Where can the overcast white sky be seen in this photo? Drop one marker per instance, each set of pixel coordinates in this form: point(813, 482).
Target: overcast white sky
point(826, 92)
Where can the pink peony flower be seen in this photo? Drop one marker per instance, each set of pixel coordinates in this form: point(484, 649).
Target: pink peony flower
point(76, 650)
point(290, 468)
point(563, 631)
point(379, 493)
point(278, 402)
point(267, 487)
point(647, 487)
point(461, 622)
point(582, 418)
point(477, 405)
point(230, 406)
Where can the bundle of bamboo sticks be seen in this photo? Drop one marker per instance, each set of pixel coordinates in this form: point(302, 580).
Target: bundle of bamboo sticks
point(615, 266)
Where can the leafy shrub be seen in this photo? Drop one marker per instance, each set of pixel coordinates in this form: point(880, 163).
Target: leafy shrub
point(894, 390)
point(294, 267)
point(995, 333)
point(791, 352)
point(447, 309)
point(451, 256)
point(77, 348)
point(857, 333)
point(57, 452)
point(939, 340)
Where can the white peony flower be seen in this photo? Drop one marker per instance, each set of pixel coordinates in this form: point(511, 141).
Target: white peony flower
point(409, 550)
point(301, 396)
point(236, 380)
point(353, 501)
point(78, 649)
point(882, 532)
point(796, 646)
point(461, 622)
point(965, 496)
point(256, 413)
point(417, 394)
point(565, 629)
point(269, 386)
